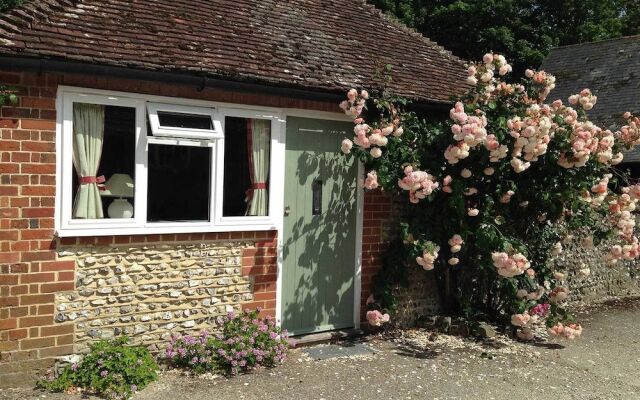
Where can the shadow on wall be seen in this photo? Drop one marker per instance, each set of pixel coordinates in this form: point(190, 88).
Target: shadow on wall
point(321, 247)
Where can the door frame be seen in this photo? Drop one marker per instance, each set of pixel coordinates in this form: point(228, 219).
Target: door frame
point(357, 276)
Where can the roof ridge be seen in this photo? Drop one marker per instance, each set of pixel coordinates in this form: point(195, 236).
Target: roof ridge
point(30, 12)
point(621, 38)
point(407, 29)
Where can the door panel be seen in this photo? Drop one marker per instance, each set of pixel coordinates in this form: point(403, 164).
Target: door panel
point(319, 233)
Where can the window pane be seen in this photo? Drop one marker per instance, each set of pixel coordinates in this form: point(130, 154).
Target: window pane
point(112, 131)
point(179, 183)
point(181, 120)
point(247, 155)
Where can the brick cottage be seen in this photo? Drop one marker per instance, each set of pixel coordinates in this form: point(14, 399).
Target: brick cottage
point(170, 161)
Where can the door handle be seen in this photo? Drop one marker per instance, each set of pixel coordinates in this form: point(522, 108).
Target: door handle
point(287, 210)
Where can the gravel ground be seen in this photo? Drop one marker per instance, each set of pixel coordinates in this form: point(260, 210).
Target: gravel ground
point(414, 364)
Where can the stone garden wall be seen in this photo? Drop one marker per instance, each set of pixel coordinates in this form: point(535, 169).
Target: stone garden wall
point(605, 281)
point(148, 292)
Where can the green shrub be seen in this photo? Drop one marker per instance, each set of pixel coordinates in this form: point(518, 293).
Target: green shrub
point(111, 369)
point(245, 343)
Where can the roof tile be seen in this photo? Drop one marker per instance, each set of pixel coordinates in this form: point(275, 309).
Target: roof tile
point(327, 45)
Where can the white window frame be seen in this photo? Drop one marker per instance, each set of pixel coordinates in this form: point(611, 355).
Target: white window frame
point(65, 225)
point(174, 131)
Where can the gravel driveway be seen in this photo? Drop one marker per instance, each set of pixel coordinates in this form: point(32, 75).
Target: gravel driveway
point(603, 364)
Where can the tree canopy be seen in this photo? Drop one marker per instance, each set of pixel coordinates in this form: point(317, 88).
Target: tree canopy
point(523, 30)
point(6, 5)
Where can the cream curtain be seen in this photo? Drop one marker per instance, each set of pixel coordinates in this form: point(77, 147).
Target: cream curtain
point(259, 135)
point(88, 132)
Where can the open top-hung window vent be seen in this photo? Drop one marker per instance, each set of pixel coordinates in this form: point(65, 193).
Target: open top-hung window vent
point(176, 121)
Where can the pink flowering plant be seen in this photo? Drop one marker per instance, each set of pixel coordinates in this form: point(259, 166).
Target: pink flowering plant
point(246, 342)
point(494, 192)
point(112, 369)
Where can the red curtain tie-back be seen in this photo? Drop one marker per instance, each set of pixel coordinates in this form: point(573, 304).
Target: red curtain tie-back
point(85, 180)
point(259, 185)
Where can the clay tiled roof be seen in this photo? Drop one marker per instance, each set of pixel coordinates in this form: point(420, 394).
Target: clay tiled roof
point(610, 68)
point(323, 45)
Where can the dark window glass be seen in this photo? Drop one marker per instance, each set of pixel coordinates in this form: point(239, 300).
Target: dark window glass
point(236, 167)
point(179, 183)
point(181, 120)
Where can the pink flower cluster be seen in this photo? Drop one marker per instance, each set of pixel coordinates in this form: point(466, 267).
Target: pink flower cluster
point(355, 103)
point(469, 131)
point(584, 142)
point(541, 309)
point(558, 295)
point(629, 134)
point(545, 82)
point(509, 266)
point(532, 135)
point(429, 256)
point(367, 137)
point(376, 318)
point(371, 181)
point(496, 150)
point(456, 243)
point(485, 72)
point(524, 322)
point(570, 331)
point(419, 184)
point(584, 99)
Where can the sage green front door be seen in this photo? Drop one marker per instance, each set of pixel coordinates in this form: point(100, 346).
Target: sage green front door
point(319, 236)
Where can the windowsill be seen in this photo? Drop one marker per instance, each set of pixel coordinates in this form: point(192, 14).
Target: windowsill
point(164, 228)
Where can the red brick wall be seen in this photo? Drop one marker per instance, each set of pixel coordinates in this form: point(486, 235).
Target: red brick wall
point(30, 275)
point(376, 231)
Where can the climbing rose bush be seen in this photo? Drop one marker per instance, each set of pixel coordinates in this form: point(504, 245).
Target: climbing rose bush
point(494, 192)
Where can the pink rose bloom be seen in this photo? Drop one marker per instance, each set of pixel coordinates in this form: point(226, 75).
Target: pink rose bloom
point(541, 309)
point(626, 115)
point(371, 181)
point(364, 94)
point(473, 212)
point(376, 152)
point(487, 58)
point(352, 94)
point(471, 70)
point(376, 318)
point(346, 146)
point(398, 132)
point(505, 69)
point(456, 240)
point(520, 319)
point(528, 73)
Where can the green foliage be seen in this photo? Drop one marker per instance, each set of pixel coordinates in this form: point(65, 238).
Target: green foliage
point(6, 5)
point(523, 30)
point(8, 96)
point(246, 342)
point(112, 369)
